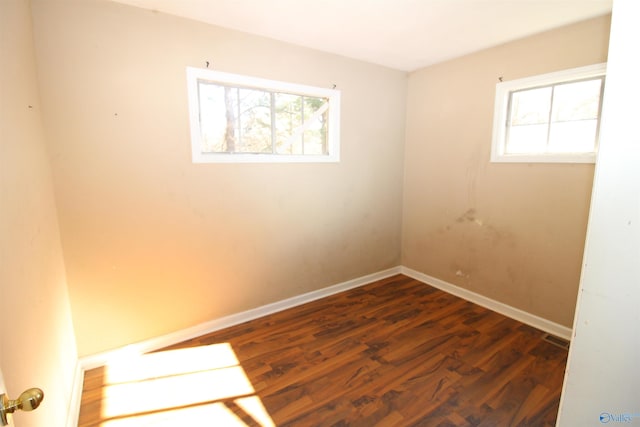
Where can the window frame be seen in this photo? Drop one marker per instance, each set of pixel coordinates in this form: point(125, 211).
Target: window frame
point(501, 115)
point(194, 75)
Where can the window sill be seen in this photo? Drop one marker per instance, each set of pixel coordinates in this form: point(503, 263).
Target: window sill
point(262, 158)
point(544, 158)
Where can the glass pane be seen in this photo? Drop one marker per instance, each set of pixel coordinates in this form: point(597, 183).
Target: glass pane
point(528, 121)
point(316, 113)
point(575, 117)
point(255, 121)
point(288, 123)
point(218, 122)
point(577, 136)
point(576, 101)
point(529, 107)
point(245, 120)
point(527, 139)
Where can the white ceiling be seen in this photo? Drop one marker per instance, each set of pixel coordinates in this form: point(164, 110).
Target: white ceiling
point(401, 34)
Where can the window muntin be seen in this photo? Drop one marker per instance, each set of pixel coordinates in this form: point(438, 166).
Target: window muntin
point(549, 118)
point(244, 119)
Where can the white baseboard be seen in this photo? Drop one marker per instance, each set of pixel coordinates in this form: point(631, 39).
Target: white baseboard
point(504, 309)
point(102, 359)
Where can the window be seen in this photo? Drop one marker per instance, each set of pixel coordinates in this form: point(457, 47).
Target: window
point(550, 118)
point(237, 118)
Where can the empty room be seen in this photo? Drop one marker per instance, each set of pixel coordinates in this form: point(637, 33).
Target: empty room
point(329, 213)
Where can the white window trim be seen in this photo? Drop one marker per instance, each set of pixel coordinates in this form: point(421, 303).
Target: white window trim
point(501, 113)
point(333, 133)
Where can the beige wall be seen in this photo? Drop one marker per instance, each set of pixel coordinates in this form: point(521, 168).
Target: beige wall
point(154, 243)
point(511, 232)
point(37, 346)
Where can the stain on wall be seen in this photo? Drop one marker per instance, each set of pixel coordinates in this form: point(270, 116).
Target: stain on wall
point(511, 232)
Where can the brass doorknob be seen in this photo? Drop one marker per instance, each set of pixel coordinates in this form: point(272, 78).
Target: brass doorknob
point(28, 401)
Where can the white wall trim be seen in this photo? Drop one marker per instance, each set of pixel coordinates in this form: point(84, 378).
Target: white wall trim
point(102, 359)
point(73, 411)
point(497, 306)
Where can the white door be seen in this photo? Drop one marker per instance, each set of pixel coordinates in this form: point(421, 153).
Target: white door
point(3, 389)
point(26, 401)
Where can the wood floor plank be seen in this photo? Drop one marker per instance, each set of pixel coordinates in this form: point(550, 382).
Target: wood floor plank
point(396, 352)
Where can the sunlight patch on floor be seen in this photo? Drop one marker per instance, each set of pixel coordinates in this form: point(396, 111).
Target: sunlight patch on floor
point(215, 414)
point(193, 386)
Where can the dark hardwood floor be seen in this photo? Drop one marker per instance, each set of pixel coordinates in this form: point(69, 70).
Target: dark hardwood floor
point(395, 352)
